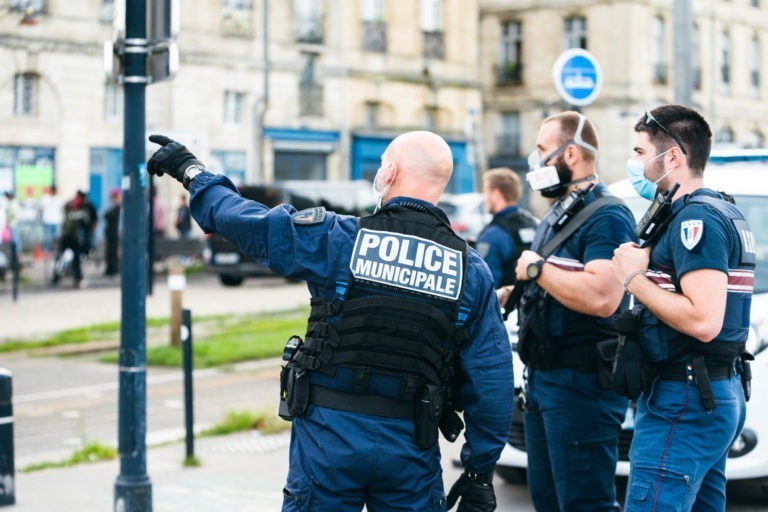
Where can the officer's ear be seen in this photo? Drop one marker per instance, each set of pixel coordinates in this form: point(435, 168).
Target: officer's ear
point(390, 173)
point(571, 155)
point(676, 157)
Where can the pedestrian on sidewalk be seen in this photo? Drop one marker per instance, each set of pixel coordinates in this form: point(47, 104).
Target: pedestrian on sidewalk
point(51, 214)
point(112, 233)
point(404, 329)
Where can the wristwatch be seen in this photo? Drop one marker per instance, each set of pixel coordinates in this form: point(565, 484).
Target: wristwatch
point(533, 270)
point(190, 173)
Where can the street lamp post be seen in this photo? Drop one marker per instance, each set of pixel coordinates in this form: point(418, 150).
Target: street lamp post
point(133, 489)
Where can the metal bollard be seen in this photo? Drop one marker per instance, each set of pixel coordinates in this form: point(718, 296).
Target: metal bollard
point(7, 468)
point(189, 412)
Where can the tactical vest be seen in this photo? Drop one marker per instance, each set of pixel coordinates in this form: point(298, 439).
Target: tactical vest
point(392, 328)
point(513, 223)
point(662, 343)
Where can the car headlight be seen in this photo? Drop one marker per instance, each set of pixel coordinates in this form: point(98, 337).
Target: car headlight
point(744, 444)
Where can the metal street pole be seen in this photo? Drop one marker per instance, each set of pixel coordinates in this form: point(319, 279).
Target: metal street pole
point(683, 41)
point(133, 489)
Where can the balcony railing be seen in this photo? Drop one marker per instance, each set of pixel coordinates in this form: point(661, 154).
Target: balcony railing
point(374, 36)
point(311, 99)
point(434, 45)
point(237, 23)
point(510, 73)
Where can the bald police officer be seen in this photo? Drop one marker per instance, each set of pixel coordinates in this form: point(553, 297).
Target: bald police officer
point(404, 328)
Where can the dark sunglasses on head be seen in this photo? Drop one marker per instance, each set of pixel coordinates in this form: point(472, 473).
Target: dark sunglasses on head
point(650, 119)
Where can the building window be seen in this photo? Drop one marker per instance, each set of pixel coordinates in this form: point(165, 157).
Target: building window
point(28, 6)
point(374, 28)
point(508, 142)
point(754, 67)
point(371, 114)
point(696, 59)
point(107, 10)
point(233, 107)
point(431, 23)
point(25, 94)
point(309, 21)
point(725, 136)
point(755, 140)
point(310, 90)
point(304, 165)
point(725, 63)
point(659, 51)
point(575, 32)
point(510, 67)
point(237, 18)
point(113, 101)
point(430, 118)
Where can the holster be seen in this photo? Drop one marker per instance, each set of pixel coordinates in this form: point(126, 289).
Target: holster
point(605, 352)
point(632, 374)
point(294, 391)
point(746, 374)
point(533, 345)
point(427, 414)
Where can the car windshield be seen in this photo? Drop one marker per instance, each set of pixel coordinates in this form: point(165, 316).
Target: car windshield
point(753, 208)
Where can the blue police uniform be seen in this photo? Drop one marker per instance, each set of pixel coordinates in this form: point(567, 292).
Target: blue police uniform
point(496, 242)
point(342, 459)
point(681, 441)
point(572, 421)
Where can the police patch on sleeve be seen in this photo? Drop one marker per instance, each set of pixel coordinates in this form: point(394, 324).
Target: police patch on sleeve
point(691, 232)
point(483, 248)
point(408, 262)
point(309, 216)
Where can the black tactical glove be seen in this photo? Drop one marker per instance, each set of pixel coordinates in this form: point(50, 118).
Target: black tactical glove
point(174, 159)
point(476, 492)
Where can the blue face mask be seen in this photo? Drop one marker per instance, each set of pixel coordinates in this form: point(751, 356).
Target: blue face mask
point(644, 187)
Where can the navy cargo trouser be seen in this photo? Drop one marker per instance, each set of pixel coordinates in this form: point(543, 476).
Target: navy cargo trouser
point(571, 436)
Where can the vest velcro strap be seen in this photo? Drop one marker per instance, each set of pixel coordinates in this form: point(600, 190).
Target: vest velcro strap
point(363, 342)
point(377, 302)
point(389, 361)
point(321, 308)
point(364, 404)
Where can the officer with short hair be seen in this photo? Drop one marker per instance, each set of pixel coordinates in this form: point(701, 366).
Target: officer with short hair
point(511, 230)
point(573, 418)
point(695, 286)
point(404, 329)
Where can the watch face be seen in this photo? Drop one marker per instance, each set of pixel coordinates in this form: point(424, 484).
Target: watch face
point(533, 269)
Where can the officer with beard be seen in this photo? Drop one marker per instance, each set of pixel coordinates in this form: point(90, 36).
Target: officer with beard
point(572, 419)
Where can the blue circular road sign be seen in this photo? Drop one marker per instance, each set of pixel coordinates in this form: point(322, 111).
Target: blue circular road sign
point(578, 77)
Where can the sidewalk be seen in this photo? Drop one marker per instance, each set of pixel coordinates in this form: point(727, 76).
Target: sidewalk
point(239, 473)
point(42, 310)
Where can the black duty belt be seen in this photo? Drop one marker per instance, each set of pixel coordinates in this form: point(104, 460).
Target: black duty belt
point(582, 358)
point(365, 404)
point(683, 371)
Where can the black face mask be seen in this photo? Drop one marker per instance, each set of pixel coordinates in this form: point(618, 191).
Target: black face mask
point(565, 174)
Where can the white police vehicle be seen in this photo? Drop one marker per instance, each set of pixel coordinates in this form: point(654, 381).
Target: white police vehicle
point(744, 175)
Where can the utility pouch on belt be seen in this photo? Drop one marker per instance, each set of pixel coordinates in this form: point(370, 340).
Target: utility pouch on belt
point(631, 372)
point(294, 383)
point(429, 409)
point(605, 352)
point(746, 374)
point(450, 425)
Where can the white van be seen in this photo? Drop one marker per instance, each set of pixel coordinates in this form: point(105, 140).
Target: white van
point(744, 175)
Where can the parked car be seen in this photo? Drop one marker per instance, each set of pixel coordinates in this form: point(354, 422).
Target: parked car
point(744, 175)
point(467, 213)
point(344, 197)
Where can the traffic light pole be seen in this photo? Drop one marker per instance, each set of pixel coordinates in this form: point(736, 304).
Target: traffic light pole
point(133, 489)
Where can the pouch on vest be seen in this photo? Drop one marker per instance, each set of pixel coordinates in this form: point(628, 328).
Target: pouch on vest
point(631, 372)
point(429, 409)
